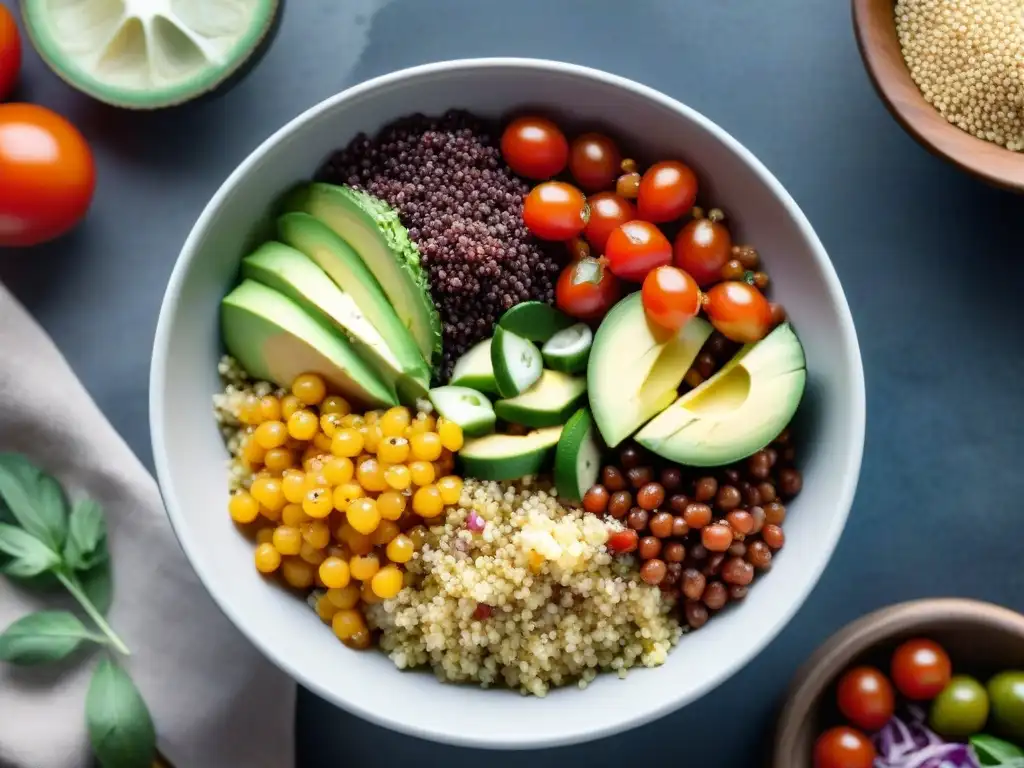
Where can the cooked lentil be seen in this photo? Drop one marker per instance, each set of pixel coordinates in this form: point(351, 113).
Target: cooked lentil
point(463, 208)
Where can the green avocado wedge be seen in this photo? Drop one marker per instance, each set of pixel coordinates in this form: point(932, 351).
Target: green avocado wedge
point(372, 228)
point(275, 340)
point(547, 403)
point(569, 349)
point(577, 457)
point(509, 457)
point(466, 407)
point(535, 320)
point(474, 369)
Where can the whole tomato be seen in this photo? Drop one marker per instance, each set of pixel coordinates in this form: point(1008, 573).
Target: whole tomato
point(10, 53)
point(843, 747)
point(921, 669)
point(47, 172)
point(866, 698)
point(586, 289)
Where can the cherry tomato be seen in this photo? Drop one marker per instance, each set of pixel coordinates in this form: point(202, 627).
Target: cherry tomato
point(594, 161)
point(670, 297)
point(48, 175)
point(703, 247)
point(635, 248)
point(843, 748)
point(866, 698)
point(10, 52)
point(586, 289)
point(921, 669)
point(555, 210)
point(535, 147)
point(667, 191)
point(607, 211)
point(621, 542)
point(738, 311)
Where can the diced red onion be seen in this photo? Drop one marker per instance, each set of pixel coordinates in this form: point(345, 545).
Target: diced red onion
point(474, 522)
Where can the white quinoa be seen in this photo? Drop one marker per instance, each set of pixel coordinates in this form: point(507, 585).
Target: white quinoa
point(967, 57)
point(226, 408)
point(561, 607)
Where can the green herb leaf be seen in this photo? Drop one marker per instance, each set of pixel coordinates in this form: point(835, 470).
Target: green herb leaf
point(86, 544)
point(29, 556)
point(34, 498)
point(120, 726)
point(98, 585)
point(991, 751)
point(42, 637)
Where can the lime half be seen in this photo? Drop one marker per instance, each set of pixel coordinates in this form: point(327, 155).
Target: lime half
point(147, 54)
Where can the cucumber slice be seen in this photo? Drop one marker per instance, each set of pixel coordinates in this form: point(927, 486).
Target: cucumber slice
point(577, 457)
point(569, 349)
point(534, 320)
point(508, 457)
point(548, 402)
point(468, 408)
point(474, 369)
point(516, 362)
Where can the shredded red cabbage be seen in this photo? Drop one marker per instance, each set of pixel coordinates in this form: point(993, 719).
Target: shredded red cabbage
point(909, 743)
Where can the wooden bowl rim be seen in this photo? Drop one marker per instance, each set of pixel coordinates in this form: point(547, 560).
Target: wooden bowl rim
point(995, 164)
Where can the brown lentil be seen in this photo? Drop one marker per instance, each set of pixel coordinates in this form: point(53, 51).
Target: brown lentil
point(630, 457)
point(773, 536)
point(679, 503)
point(653, 571)
point(650, 546)
point(671, 479)
point(716, 538)
point(789, 483)
point(696, 613)
point(619, 504)
point(774, 513)
point(741, 521)
point(637, 519)
point(595, 500)
point(613, 479)
point(674, 552)
point(759, 555)
point(705, 489)
point(650, 496)
point(693, 582)
point(728, 498)
point(697, 515)
point(736, 570)
point(639, 476)
point(661, 525)
point(737, 592)
point(679, 526)
point(715, 596)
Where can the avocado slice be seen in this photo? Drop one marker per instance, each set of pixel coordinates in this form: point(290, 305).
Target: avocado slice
point(474, 369)
point(296, 276)
point(635, 367)
point(508, 457)
point(535, 320)
point(154, 53)
point(577, 457)
point(736, 412)
point(468, 408)
point(375, 232)
point(274, 339)
point(548, 402)
point(569, 349)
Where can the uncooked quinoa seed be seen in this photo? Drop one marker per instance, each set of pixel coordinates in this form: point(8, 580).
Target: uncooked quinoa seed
point(967, 57)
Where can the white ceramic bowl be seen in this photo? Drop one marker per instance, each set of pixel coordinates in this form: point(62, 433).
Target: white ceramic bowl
point(190, 457)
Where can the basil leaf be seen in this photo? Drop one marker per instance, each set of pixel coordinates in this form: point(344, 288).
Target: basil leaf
point(42, 637)
point(992, 751)
point(120, 726)
point(98, 585)
point(29, 556)
point(86, 544)
point(34, 498)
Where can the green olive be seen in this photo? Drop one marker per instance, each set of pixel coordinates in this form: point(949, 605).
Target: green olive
point(961, 709)
point(1006, 691)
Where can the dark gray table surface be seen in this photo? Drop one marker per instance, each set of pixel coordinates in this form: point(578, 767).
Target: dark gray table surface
point(926, 255)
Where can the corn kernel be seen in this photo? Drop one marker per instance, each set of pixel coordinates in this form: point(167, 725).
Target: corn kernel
point(330, 423)
point(318, 503)
point(287, 540)
point(394, 422)
point(397, 476)
point(268, 492)
point(334, 573)
point(427, 502)
point(267, 558)
point(366, 593)
point(303, 424)
point(252, 452)
point(418, 536)
point(292, 514)
point(273, 515)
point(400, 549)
point(392, 450)
point(265, 536)
point(271, 434)
point(347, 442)
point(325, 609)
point(316, 532)
point(372, 417)
point(425, 446)
point(278, 459)
point(344, 597)
point(352, 420)
point(347, 622)
point(297, 572)
point(249, 412)
point(391, 505)
point(362, 567)
point(372, 436)
point(335, 404)
point(359, 641)
point(311, 554)
point(451, 435)
point(422, 473)
point(387, 582)
point(290, 404)
point(310, 388)
point(384, 532)
point(362, 515)
point(322, 443)
point(450, 488)
point(370, 475)
point(338, 470)
point(270, 408)
point(242, 507)
point(357, 543)
point(345, 493)
point(293, 485)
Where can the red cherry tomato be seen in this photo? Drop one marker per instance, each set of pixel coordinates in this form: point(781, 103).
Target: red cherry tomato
point(667, 191)
point(635, 248)
point(47, 174)
point(10, 52)
point(555, 211)
point(607, 211)
point(586, 289)
point(621, 542)
point(670, 297)
point(738, 311)
point(843, 748)
point(921, 669)
point(594, 161)
point(702, 248)
point(534, 147)
point(866, 698)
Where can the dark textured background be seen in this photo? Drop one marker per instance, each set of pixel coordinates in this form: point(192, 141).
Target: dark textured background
point(927, 257)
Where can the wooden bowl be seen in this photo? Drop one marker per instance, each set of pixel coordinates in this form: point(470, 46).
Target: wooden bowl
point(981, 638)
point(875, 27)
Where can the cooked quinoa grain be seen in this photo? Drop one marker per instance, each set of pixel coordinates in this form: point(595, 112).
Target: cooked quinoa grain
point(463, 208)
point(531, 601)
point(965, 56)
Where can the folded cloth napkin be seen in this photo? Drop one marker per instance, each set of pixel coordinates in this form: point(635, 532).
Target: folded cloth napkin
point(215, 701)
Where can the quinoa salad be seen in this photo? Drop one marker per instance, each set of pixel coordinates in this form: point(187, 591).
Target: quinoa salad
point(506, 405)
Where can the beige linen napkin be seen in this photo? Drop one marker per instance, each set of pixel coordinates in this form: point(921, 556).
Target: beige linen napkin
point(216, 702)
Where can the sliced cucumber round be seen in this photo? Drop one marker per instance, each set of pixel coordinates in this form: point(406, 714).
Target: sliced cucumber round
point(549, 402)
point(534, 320)
point(474, 369)
point(508, 457)
point(577, 457)
point(569, 349)
point(148, 54)
point(516, 362)
point(468, 408)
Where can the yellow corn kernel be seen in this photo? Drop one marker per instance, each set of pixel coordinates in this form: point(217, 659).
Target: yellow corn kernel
point(297, 572)
point(290, 404)
point(271, 434)
point(311, 554)
point(344, 597)
point(252, 452)
point(330, 423)
point(242, 507)
point(427, 502)
point(347, 442)
point(393, 450)
point(347, 622)
point(362, 515)
point(371, 437)
point(270, 408)
point(372, 417)
point(273, 515)
point(357, 543)
point(400, 549)
point(338, 470)
point(293, 485)
point(422, 473)
point(268, 492)
point(384, 532)
point(318, 503)
point(334, 573)
point(292, 515)
point(325, 609)
point(362, 567)
point(265, 536)
point(451, 435)
point(278, 459)
point(397, 476)
point(387, 582)
point(267, 558)
point(352, 420)
point(335, 404)
point(310, 388)
point(249, 411)
point(316, 532)
point(303, 424)
point(366, 593)
point(287, 540)
point(391, 505)
point(425, 446)
point(450, 488)
point(370, 475)
point(394, 421)
point(418, 536)
point(345, 494)
point(444, 465)
point(322, 443)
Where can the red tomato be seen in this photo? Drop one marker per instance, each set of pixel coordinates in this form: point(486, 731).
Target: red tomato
point(621, 542)
point(586, 289)
point(48, 175)
point(555, 211)
point(667, 191)
point(10, 52)
point(702, 248)
point(607, 211)
point(635, 248)
point(594, 161)
point(866, 698)
point(534, 147)
point(738, 311)
point(921, 669)
point(670, 297)
point(843, 748)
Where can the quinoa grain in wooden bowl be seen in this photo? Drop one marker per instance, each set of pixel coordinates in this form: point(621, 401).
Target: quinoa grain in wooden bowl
point(959, 93)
